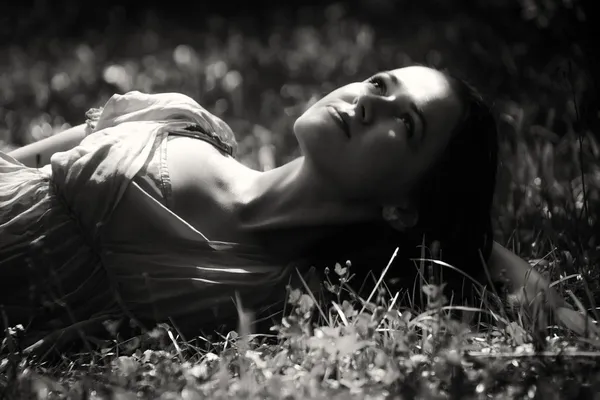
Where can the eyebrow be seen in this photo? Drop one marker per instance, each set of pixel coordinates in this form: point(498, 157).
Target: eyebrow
point(391, 77)
point(418, 110)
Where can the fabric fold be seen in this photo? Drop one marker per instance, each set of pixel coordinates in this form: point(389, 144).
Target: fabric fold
point(60, 268)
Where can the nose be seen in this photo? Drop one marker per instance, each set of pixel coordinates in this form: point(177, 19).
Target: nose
point(368, 107)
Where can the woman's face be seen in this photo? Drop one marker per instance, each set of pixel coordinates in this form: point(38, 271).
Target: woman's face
point(375, 139)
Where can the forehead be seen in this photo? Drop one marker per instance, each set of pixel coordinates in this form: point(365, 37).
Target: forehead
point(426, 85)
point(432, 91)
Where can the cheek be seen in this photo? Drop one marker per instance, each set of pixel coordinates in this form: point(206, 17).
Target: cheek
point(386, 161)
point(386, 148)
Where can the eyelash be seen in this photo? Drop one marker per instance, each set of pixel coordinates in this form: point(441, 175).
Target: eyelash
point(379, 84)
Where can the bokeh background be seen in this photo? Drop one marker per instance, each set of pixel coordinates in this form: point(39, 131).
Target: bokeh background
point(259, 66)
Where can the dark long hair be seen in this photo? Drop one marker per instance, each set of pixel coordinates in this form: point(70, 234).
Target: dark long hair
point(454, 204)
point(455, 197)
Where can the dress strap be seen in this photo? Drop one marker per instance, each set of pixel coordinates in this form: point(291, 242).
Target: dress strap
point(198, 132)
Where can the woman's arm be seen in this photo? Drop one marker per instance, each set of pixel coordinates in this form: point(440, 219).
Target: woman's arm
point(38, 154)
point(526, 284)
point(523, 280)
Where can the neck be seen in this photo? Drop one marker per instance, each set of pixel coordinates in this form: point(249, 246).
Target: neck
point(293, 209)
point(293, 196)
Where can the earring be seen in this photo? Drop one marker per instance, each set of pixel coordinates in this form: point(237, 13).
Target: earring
point(399, 218)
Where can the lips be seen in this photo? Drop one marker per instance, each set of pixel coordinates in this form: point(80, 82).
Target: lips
point(339, 120)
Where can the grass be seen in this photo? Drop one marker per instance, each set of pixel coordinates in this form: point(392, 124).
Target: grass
point(381, 346)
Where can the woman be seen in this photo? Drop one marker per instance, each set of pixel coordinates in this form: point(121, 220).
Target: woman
point(150, 216)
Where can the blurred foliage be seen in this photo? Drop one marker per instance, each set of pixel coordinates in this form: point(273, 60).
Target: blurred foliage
point(259, 71)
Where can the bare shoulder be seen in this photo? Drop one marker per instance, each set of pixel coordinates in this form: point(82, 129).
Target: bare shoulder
point(198, 189)
point(191, 164)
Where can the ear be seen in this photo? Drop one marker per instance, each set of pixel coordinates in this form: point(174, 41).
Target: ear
point(401, 217)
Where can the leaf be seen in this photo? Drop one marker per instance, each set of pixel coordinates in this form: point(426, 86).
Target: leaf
point(433, 291)
point(330, 288)
point(392, 316)
point(232, 335)
point(330, 331)
point(157, 333)
point(364, 326)
point(189, 393)
point(112, 326)
point(346, 345)
point(294, 296)
point(125, 365)
point(211, 357)
point(256, 357)
point(132, 345)
point(316, 343)
point(380, 359)
point(419, 359)
point(349, 310)
point(280, 359)
point(305, 304)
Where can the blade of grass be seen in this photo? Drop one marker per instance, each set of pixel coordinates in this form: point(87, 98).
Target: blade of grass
point(380, 279)
point(312, 296)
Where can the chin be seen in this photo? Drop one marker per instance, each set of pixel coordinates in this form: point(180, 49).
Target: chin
point(297, 126)
point(306, 127)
